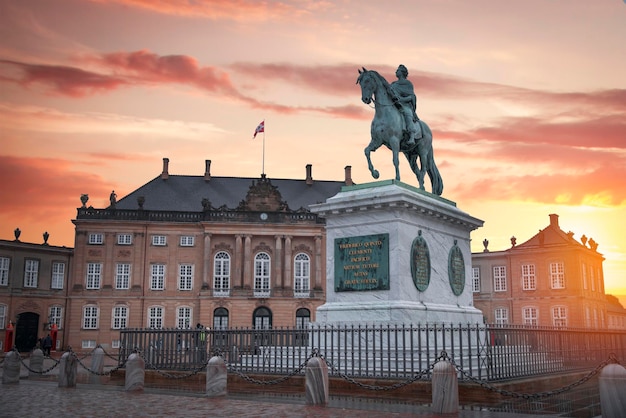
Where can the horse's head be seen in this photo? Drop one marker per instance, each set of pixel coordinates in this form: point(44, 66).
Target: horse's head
point(368, 85)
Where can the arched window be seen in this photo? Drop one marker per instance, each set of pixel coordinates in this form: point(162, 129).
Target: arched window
point(303, 318)
point(3, 316)
point(262, 275)
point(220, 318)
point(221, 274)
point(183, 317)
point(119, 317)
point(155, 317)
point(301, 275)
point(262, 318)
point(91, 315)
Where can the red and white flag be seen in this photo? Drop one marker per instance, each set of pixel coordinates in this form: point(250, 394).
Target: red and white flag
point(260, 128)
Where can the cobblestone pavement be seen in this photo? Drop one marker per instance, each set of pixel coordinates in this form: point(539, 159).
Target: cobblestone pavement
point(33, 398)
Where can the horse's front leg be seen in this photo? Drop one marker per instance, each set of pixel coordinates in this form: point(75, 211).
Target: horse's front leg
point(371, 148)
point(395, 150)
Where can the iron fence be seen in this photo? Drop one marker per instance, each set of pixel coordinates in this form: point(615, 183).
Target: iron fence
point(486, 352)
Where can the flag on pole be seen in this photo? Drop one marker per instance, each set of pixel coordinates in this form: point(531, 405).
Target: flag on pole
point(260, 128)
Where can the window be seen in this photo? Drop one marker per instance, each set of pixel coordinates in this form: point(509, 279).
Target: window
point(302, 275)
point(185, 276)
point(588, 317)
point(502, 316)
point(4, 271)
point(88, 344)
point(476, 279)
point(584, 272)
point(157, 277)
point(119, 317)
point(155, 317)
point(220, 318)
point(559, 316)
point(31, 273)
point(96, 239)
point(262, 318)
point(303, 318)
point(122, 276)
point(557, 276)
point(183, 317)
point(159, 240)
point(55, 316)
point(58, 275)
point(262, 275)
point(124, 239)
point(94, 272)
point(530, 315)
point(499, 278)
point(115, 344)
point(187, 241)
point(3, 316)
point(90, 317)
point(221, 274)
point(529, 280)
point(592, 279)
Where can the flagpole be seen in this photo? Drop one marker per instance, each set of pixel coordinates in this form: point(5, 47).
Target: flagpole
point(263, 163)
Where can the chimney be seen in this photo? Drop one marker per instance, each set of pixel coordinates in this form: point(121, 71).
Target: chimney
point(207, 170)
point(348, 175)
point(309, 178)
point(165, 174)
point(554, 220)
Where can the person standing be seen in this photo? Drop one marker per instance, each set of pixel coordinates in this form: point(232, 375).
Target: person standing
point(47, 345)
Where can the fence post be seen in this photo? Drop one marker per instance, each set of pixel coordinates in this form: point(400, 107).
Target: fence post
point(216, 377)
point(445, 388)
point(135, 373)
point(613, 391)
point(97, 365)
point(68, 370)
point(11, 368)
point(316, 382)
point(35, 362)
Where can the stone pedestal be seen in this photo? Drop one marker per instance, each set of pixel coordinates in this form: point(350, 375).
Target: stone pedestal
point(396, 255)
point(11, 368)
point(216, 378)
point(97, 365)
point(36, 363)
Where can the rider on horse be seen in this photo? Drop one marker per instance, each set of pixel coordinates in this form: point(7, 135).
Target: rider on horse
point(405, 101)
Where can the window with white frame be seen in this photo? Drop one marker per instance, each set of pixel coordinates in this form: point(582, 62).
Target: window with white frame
point(90, 317)
point(155, 317)
point(96, 239)
point(530, 315)
point(58, 275)
point(499, 278)
point(529, 279)
point(557, 275)
point(115, 344)
point(220, 318)
point(262, 275)
point(303, 318)
point(3, 316)
point(157, 277)
point(183, 317)
point(559, 316)
point(301, 275)
point(221, 274)
point(55, 316)
point(31, 273)
point(501, 316)
point(5, 262)
point(88, 343)
point(185, 276)
point(584, 274)
point(187, 241)
point(122, 275)
point(159, 240)
point(476, 279)
point(124, 239)
point(119, 317)
point(94, 275)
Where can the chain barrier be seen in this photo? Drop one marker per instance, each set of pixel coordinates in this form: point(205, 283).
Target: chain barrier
point(56, 363)
point(169, 375)
point(107, 373)
point(294, 372)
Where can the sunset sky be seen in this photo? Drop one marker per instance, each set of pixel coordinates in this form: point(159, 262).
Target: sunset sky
point(526, 100)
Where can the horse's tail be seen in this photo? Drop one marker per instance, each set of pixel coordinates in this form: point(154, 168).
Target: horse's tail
point(435, 178)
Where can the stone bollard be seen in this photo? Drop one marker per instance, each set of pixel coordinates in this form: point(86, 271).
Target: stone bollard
point(316, 382)
point(445, 388)
point(216, 377)
point(135, 373)
point(613, 391)
point(97, 365)
point(68, 370)
point(11, 368)
point(35, 363)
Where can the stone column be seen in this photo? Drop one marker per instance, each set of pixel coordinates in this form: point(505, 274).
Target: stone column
point(445, 388)
point(237, 263)
point(216, 377)
point(36, 363)
point(278, 264)
point(207, 276)
point(68, 370)
point(135, 373)
point(11, 368)
point(97, 365)
point(316, 382)
point(613, 391)
point(288, 264)
point(247, 261)
point(318, 263)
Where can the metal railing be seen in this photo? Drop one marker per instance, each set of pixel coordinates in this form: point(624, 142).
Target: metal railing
point(486, 352)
